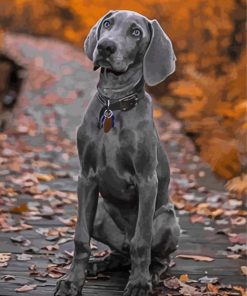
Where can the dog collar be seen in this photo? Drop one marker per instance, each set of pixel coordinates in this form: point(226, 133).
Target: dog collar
point(106, 116)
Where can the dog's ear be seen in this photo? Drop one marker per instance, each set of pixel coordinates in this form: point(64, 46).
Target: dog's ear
point(92, 38)
point(159, 59)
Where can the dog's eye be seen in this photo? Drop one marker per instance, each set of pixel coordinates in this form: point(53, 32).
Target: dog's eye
point(136, 32)
point(106, 24)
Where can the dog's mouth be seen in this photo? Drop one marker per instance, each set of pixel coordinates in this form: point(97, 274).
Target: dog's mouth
point(106, 67)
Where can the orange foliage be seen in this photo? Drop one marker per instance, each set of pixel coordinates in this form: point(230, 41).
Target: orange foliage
point(208, 88)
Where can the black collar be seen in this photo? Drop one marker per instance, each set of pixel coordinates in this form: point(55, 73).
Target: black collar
point(125, 103)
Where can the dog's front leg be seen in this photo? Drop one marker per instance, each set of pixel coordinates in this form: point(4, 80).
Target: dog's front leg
point(72, 283)
point(139, 283)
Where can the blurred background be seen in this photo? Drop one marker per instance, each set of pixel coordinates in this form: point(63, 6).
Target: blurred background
point(207, 93)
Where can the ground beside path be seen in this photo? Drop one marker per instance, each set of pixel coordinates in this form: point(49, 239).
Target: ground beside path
point(39, 168)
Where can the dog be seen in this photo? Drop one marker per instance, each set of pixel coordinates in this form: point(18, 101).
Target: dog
point(123, 185)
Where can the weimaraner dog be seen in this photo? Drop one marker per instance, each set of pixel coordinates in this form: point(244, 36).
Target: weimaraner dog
point(123, 184)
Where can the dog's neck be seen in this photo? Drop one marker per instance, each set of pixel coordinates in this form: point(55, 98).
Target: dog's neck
point(118, 85)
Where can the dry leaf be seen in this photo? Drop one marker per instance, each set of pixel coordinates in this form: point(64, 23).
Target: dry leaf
point(43, 177)
point(196, 257)
point(52, 247)
point(212, 288)
point(217, 213)
point(5, 257)
point(8, 277)
point(23, 257)
point(184, 278)
point(238, 221)
point(157, 113)
point(172, 283)
point(240, 289)
point(21, 209)
point(244, 270)
point(197, 219)
point(26, 288)
point(234, 256)
point(187, 290)
point(207, 280)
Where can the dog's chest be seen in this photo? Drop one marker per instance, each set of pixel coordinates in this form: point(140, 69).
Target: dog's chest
point(110, 156)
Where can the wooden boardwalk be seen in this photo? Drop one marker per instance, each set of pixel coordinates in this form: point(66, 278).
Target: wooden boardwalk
point(194, 241)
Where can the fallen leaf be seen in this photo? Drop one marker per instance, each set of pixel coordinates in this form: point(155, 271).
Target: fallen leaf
point(172, 283)
point(187, 290)
point(217, 213)
point(196, 258)
point(23, 257)
point(197, 219)
point(157, 113)
point(32, 267)
point(51, 247)
point(21, 209)
point(238, 221)
point(237, 239)
point(43, 177)
point(32, 250)
point(237, 248)
point(184, 278)
point(69, 222)
point(240, 289)
point(244, 270)
point(54, 275)
point(234, 256)
point(64, 240)
point(207, 280)
point(8, 277)
point(4, 259)
point(26, 288)
point(18, 239)
point(212, 288)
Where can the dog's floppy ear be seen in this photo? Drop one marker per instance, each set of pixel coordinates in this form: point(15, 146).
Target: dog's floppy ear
point(159, 59)
point(92, 37)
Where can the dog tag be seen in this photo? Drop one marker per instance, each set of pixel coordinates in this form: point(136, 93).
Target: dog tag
point(107, 124)
point(107, 120)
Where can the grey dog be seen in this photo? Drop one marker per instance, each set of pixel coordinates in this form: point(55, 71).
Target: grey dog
point(123, 185)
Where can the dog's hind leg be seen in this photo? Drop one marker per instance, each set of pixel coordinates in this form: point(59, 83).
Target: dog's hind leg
point(166, 233)
point(106, 231)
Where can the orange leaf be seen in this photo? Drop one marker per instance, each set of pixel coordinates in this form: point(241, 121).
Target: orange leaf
point(184, 278)
point(44, 177)
point(157, 113)
point(19, 210)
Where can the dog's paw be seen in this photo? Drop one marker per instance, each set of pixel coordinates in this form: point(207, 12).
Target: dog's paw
point(138, 287)
point(66, 287)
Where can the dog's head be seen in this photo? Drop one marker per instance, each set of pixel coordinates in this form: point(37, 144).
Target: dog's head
point(121, 39)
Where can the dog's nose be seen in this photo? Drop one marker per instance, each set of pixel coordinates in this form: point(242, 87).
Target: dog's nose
point(106, 48)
